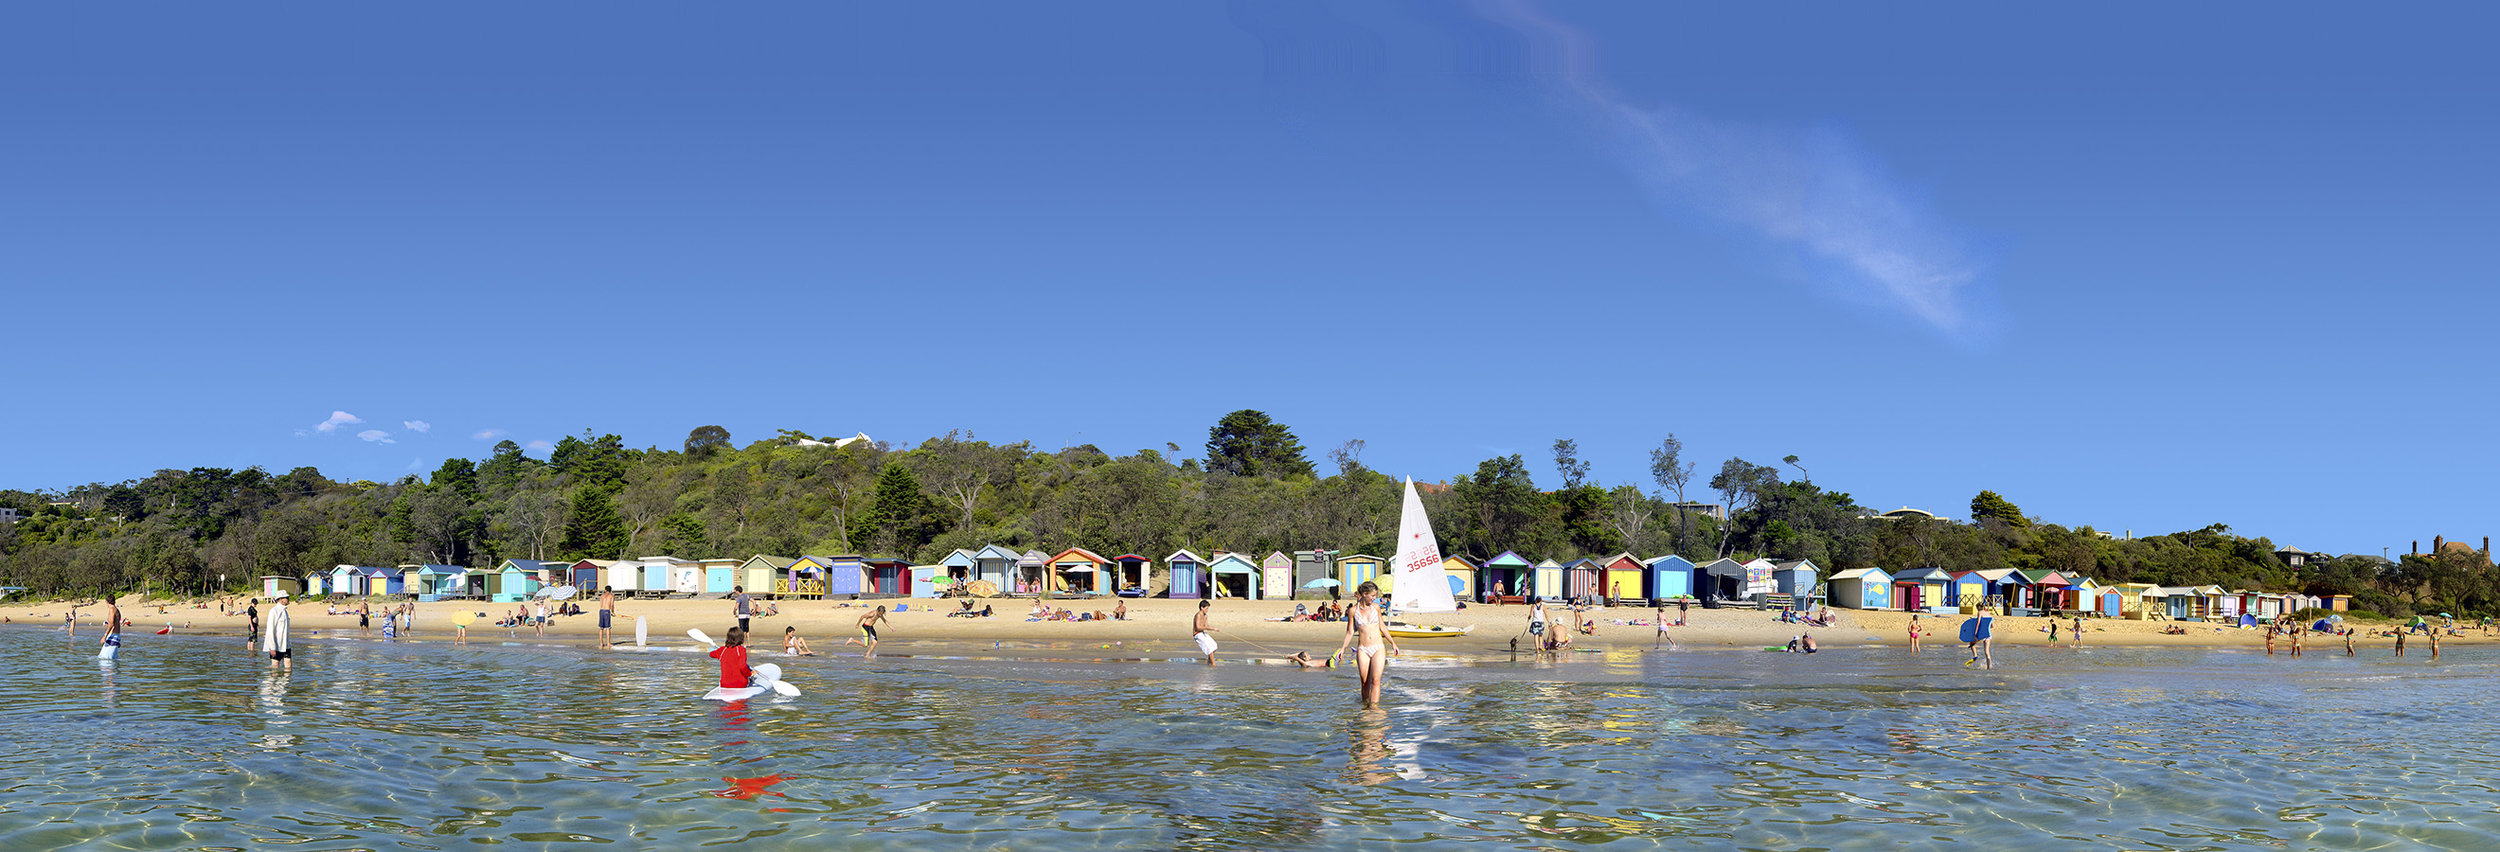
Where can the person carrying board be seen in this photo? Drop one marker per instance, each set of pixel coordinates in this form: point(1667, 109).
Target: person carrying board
point(732, 654)
point(1978, 633)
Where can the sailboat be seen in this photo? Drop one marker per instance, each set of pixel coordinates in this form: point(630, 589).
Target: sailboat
point(1420, 585)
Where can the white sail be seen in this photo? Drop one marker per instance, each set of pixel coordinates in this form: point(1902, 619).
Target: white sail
point(1421, 584)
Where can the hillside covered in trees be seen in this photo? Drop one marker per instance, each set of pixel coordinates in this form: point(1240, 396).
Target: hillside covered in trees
point(1252, 487)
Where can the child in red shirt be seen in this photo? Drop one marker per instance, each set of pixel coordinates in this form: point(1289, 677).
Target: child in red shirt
point(732, 655)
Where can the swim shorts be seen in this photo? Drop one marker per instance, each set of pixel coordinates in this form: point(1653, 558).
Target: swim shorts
point(603, 618)
point(1206, 643)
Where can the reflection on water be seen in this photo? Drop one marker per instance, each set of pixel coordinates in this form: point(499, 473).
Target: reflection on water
point(195, 744)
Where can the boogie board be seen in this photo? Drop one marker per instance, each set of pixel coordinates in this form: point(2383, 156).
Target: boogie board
point(1975, 629)
point(642, 632)
point(764, 676)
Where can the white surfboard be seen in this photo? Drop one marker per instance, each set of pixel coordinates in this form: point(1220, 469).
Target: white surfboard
point(642, 632)
point(765, 676)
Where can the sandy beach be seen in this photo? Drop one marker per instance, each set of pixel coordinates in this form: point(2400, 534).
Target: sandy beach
point(1243, 628)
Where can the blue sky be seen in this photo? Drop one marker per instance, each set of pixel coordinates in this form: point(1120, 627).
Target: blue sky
point(2143, 269)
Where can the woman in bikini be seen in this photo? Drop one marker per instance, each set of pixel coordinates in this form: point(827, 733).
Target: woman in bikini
point(1363, 632)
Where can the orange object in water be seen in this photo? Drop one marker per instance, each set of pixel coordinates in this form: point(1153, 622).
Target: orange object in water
point(748, 788)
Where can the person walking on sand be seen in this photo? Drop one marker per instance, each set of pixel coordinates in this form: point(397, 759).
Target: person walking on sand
point(538, 619)
point(1659, 615)
point(868, 630)
point(746, 607)
point(1371, 644)
point(2078, 631)
point(1203, 633)
point(1536, 622)
point(281, 654)
point(2052, 631)
point(607, 616)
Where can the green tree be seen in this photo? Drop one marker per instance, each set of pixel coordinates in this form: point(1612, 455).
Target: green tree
point(1567, 462)
point(1741, 485)
point(505, 468)
point(897, 518)
point(1247, 443)
point(593, 530)
point(704, 441)
point(1497, 508)
point(1672, 473)
point(1990, 506)
point(598, 462)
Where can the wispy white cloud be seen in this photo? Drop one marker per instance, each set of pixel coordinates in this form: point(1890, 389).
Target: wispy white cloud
point(1816, 191)
point(488, 434)
point(418, 426)
point(337, 419)
point(376, 436)
point(541, 446)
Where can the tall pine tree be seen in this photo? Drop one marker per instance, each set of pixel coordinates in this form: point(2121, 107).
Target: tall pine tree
point(594, 530)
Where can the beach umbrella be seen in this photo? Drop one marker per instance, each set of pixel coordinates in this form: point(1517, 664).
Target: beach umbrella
point(566, 592)
point(2445, 615)
point(982, 588)
point(1322, 583)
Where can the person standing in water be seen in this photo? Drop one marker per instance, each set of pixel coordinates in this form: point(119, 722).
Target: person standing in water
point(1915, 633)
point(1371, 643)
point(1203, 633)
point(746, 607)
point(113, 622)
point(1982, 637)
point(607, 614)
point(281, 655)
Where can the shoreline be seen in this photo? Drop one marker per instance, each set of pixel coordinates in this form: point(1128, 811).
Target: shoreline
point(1241, 627)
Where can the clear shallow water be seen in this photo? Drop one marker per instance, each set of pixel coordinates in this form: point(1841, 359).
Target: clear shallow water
point(192, 744)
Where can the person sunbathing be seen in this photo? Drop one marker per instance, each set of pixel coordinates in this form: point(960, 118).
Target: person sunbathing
point(1303, 659)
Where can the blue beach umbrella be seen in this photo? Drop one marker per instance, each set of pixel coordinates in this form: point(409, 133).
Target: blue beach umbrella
point(1322, 583)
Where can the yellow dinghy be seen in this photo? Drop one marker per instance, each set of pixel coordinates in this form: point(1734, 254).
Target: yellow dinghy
point(1430, 631)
